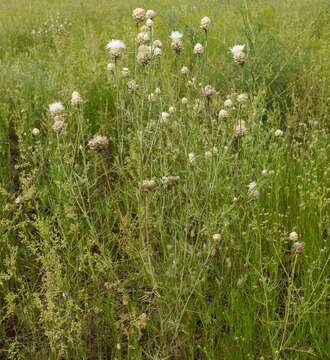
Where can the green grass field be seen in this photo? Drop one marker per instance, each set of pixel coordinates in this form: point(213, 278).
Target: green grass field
point(182, 234)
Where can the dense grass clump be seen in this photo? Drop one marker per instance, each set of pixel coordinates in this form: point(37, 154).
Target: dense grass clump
point(164, 200)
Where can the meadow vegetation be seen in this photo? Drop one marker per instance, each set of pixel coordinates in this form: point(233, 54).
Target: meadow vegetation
point(176, 209)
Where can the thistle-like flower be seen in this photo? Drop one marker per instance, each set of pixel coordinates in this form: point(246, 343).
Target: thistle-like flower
point(240, 128)
point(208, 91)
point(132, 86)
point(98, 143)
point(205, 23)
point(144, 55)
point(242, 98)
point(198, 49)
point(191, 158)
point(298, 248)
point(148, 185)
point(177, 44)
point(59, 125)
point(228, 103)
point(238, 54)
point(150, 14)
point(253, 192)
point(157, 51)
point(164, 117)
point(293, 236)
point(116, 48)
point(76, 99)
point(223, 114)
point(157, 44)
point(138, 15)
point(56, 108)
point(143, 37)
point(171, 180)
point(149, 23)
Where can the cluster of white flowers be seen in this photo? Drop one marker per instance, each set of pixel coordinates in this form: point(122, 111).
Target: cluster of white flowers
point(198, 49)
point(76, 99)
point(56, 110)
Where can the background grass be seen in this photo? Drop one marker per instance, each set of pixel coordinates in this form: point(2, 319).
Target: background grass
point(91, 268)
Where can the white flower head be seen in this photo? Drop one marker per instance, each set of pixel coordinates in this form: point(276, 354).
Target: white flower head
point(164, 117)
point(125, 71)
point(138, 14)
point(278, 133)
point(184, 101)
point(56, 108)
point(116, 48)
point(111, 67)
point(228, 103)
point(205, 23)
point(150, 14)
point(176, 35)
point(151, 97)
point(144, 55)
point(191, 157)
point(143, 37)
point(158, 91)
point(242, 98)
point(149, 23)
point(59, 125)
point(223, 114)
point(35, 132)
point(238, 54)
point(293, 236)
point(198, 49)
point(184, 70)
point(240, 128)
point(76, 99)
point(148, 185)
point(157, 44)
point(132, 86)
point(253, 192)
point(157, 51)
point(171, 110)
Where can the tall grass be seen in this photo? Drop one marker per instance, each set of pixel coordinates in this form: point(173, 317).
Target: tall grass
point(94, 268)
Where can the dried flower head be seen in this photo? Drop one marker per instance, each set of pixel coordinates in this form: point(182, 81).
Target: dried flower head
point(157, 51)
point(98, 143)
point(59, 125)
point(240, 128)
point(132, 86)
point(238, 54)
point(223, 114)
point(198, 49)
point(208, 91)
point(242, 98)
point(171, 180)
point(138, 15)
point(298, 248)
point(228, 103)
point(56, 108)
point(144, 55)
point(177, 44)
point(205, 23)
point(148, 185)
point(116, 48)
point(150, 14)
point(143, 37)
point(253, 192)
point(149, 23)
point(157, 44)
point(76, 99)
